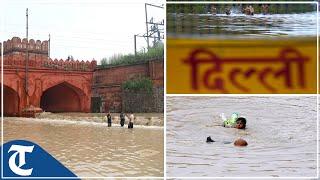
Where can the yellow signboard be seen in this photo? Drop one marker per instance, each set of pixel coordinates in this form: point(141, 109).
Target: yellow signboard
point(264, 66)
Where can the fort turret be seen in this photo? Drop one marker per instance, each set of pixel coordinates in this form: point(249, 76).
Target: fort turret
point(18, 45)
point(14, 52)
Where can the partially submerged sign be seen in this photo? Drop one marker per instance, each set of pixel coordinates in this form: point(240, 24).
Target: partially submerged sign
point(260, 66)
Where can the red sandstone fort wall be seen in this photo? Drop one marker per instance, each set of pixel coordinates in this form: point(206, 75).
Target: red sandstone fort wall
point(44, 74)
point(107, 82)
point(49, 80)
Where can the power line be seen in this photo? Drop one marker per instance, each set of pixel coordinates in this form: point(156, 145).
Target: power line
point(156, 29)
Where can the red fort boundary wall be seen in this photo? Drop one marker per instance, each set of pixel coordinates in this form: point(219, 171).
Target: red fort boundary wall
point(66, 85)
point(107, 86)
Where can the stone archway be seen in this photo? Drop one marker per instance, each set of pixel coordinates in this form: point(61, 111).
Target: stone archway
point(62, 97)
point(10, 101)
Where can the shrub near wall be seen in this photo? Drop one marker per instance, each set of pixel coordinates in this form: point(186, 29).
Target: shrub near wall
point(139, 96)
point(143, 102)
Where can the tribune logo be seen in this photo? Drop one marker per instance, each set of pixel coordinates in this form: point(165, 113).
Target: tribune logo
point(26, 159)
point(21, 151)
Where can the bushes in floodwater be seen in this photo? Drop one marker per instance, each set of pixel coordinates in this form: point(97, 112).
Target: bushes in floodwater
point(120, 59)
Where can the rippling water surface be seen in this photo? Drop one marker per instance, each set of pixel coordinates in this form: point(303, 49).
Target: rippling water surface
point(92, 149)
point(281, 133)
point(238, 24)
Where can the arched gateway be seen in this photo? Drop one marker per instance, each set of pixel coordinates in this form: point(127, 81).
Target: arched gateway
point(53, 85)
point(10, 101)
point(61, 98)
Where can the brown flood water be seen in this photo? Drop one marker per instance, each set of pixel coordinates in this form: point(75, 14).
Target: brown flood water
point(92, 149)
point(281, 132)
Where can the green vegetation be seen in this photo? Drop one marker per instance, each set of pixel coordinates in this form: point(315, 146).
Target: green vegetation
point(120, 59)
point(138, 84)
point(273, 8)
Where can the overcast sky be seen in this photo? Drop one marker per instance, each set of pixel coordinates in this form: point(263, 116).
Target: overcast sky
point(85, 29)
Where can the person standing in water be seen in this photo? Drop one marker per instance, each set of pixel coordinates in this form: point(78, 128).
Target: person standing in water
point(213, 10)
point(228, 10)
point(122, 119)
point(131, 119)
point(249, 10)
point(265, 9)
point(109, 119)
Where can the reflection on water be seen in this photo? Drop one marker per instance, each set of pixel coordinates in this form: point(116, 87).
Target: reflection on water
point(90, 149)
point(239, 24)
point(281, 133)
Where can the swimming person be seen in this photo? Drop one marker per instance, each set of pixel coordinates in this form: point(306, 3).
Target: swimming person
point(237, 142)
point(109, 119)
point(235, 121)
point(122, 119)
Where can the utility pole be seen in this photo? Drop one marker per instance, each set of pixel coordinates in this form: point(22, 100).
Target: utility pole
point(49, 48)
point(145, 7)
point(154, 32)
point(135, 45)
point(27, 57)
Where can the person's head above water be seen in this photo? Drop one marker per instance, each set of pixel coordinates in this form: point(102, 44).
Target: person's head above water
point(241, 123)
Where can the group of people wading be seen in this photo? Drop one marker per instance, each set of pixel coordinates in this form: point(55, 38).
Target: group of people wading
point(122, 119)
point(248, 10)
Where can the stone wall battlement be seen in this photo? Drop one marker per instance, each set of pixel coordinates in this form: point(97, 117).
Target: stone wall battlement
point(16, 44)
point(14, 52)
point(40, 62)
point(70, 65)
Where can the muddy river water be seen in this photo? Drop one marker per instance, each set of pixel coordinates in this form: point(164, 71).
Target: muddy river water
point(281, 133)
point(92, 149)
point(241, 26)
